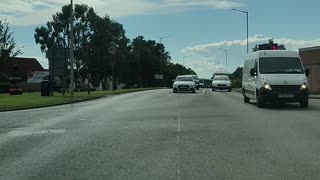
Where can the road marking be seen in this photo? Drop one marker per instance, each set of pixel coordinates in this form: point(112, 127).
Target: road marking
point(83, 119)
point(178, 142)
point(179, 126)
point(203, 91)
point(25, 132)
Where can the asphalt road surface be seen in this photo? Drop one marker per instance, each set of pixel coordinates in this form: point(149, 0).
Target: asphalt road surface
point(160, 135)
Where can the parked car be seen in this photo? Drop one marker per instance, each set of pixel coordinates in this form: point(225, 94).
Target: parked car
point(184, 84)
point(221, 83)
point(15, 91)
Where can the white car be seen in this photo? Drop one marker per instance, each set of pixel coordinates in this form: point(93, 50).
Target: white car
point(184, 84)
point(221, 83)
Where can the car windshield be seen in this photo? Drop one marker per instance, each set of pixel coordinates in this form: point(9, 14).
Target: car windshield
point(222, 78)
point(280, 65)
point(184, 79)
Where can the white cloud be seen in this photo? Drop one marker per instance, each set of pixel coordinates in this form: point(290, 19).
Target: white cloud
point(209, 49)
point(204, 67)
point(31, 12)
point(236, 52)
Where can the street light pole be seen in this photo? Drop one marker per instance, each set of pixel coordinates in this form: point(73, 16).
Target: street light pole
point(161, 38)
point(71, 50)
point(226, 51)
point(247, 13)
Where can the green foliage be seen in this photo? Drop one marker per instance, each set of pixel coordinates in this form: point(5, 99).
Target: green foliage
point(236, 77)
point(7, 41)
point(136, 62)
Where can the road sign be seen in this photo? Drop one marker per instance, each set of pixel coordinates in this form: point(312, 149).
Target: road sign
point(112, 49)
point(158, 76)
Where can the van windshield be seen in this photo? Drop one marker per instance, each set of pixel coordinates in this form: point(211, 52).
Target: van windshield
point(280, 65)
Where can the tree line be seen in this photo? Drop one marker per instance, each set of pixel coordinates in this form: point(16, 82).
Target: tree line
point(137, 60)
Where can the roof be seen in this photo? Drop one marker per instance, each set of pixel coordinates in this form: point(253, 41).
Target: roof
point(310, 48)
point(24, 66)
point(272, 53)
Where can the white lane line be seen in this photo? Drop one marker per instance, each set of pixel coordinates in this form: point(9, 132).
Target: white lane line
point(203, 91)
point(178, 142)
point(179, 119)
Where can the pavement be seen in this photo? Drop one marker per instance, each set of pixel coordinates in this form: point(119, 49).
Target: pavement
point(160, 135)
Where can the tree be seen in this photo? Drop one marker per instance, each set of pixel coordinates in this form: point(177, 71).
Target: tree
point(236, 77)
point(56, 33)
point(7, 41)
point(91, 33)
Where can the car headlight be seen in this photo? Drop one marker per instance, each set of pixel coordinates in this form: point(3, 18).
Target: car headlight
point(267, 86)
point(303, 87)
point(192, 85)
point(175, 85)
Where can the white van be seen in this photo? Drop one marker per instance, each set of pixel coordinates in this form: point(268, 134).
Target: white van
point(275, 76)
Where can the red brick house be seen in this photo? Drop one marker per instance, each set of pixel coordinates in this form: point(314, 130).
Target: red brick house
point(18, 67)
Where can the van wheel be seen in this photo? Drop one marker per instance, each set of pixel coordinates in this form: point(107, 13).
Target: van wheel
point(304, 104)
point(212, 89)
point(246, 99)
point(260, 104)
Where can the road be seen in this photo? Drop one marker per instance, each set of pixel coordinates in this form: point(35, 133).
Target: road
point(160, 135)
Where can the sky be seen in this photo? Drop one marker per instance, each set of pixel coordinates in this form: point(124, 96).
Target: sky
point(200, 29)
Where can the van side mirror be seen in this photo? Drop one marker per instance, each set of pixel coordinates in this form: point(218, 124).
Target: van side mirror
point(211, 78)
point(307, 71)
point(173, 80)
point(253, 71)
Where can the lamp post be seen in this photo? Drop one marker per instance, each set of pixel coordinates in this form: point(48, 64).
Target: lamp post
point(247, 13)
point(184, 59)
point(226, 51)
point(71, 50)
point(161, 38)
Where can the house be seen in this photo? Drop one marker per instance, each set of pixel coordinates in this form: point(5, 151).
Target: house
point(310, 57)
point(18, 67)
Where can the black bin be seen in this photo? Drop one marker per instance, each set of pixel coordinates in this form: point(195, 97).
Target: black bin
point(45, 88)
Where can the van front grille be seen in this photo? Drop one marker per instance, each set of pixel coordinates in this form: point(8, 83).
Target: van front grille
point(285, 88)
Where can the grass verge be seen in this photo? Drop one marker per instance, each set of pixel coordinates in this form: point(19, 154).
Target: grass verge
point(34, 100)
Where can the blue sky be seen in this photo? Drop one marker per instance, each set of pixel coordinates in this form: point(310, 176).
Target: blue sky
point(199, 27)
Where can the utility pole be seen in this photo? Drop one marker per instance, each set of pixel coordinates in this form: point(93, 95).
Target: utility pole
point(71, 50)
point(226, 51)
point(247, 13)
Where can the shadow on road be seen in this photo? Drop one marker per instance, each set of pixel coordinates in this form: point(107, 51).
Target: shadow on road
point(287, 107)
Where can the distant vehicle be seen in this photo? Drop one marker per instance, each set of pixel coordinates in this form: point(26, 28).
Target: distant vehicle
point(196, 80)
point(220, 73)
point(37, 76)
point(221, 82)
point(201, 84)
point(275, 76)
point(184, 84)
point(206, 83)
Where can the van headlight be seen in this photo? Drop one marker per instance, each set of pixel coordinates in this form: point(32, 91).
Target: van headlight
point(267, 86)
point(303, 87)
